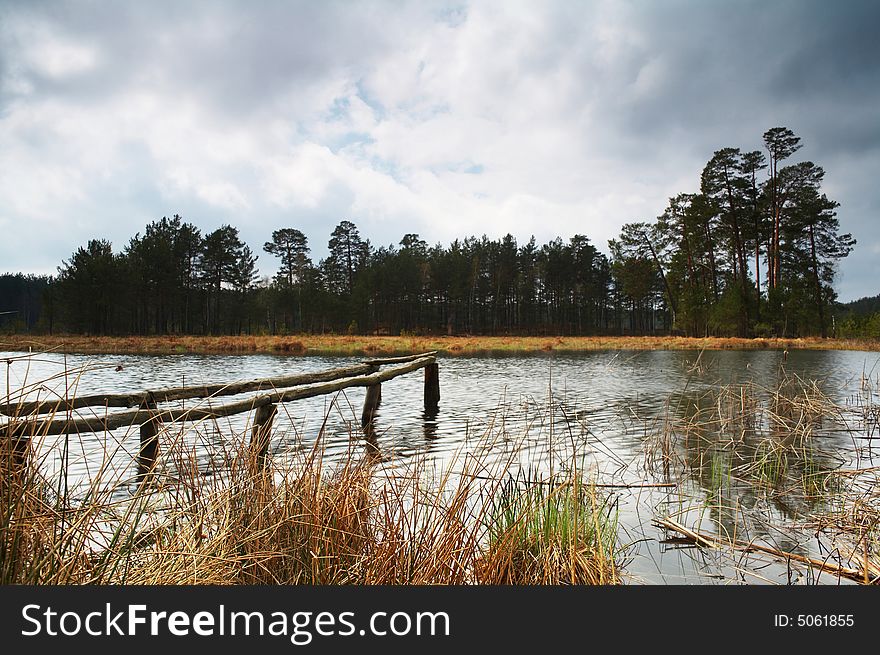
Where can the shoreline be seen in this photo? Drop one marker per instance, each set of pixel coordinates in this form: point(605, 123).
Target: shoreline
point(306, 344)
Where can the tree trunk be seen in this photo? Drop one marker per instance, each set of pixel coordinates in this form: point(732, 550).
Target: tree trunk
point(818, 284)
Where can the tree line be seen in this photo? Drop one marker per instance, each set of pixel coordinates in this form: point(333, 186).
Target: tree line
point(859, 318)
point(753, 253)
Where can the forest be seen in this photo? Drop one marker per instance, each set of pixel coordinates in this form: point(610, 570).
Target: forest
point(753, 253)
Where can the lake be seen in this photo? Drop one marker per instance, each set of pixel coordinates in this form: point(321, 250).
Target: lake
point(704, 424)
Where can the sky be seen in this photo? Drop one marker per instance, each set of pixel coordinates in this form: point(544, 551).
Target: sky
point(445, 119)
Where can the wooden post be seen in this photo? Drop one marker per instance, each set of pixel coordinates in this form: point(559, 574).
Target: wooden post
point(432, 387)
point(371, 404)
point(149, 450)
point(16, 446)
point(261, 434)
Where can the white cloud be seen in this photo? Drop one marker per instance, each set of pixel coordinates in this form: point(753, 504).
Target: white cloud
point(46, 50)
point(302, 177)
point(531, 118)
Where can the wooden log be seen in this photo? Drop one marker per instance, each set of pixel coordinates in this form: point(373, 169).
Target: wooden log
point(713, 541)
point(16, 443)
point(374, 453)
point(371, 404)
point(199, 413)
point(364, 381)
point(432, 387)
point(14, 450)
point(261, 433)
point(149, 446)
point(24, 408)
point(378, 361)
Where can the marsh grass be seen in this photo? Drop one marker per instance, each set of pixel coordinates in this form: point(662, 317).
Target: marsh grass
point(744, 433)
point(545, 532)
point(367, 345)
point(210, 515)
point(303, 520)
point(767, 463)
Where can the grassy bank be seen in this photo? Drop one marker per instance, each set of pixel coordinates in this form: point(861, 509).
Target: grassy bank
point(374, 345)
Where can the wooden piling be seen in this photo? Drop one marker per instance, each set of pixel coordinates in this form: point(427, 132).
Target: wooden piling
point(261, 433)
point(149, 449)
point(15, 448)
point(371, 404)
point(432, 387)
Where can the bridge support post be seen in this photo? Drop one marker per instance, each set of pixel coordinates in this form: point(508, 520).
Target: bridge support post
point(149, 447)
point(371, 404)
point(16, 445)
point(432, 387)
point(261, 434)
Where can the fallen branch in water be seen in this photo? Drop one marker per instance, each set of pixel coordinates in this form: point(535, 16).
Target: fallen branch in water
point(622, 485)
point(713, 541)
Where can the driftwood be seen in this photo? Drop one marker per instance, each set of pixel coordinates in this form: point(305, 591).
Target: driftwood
point(597, 485)
point(127, 419)
point(713, 541)
point(182, 393)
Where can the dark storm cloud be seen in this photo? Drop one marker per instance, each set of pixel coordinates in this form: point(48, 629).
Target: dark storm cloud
point(732, 66)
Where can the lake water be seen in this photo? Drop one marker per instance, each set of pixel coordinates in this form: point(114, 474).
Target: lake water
point(627, 418)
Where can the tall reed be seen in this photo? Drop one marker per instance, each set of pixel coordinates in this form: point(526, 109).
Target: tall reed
point(353, 520)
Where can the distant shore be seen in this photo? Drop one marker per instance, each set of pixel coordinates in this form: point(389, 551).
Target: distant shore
point(306, 344)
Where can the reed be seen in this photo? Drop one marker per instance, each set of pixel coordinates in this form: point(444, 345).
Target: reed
point(766, 447)
point(357, 518)
point(304, 520)
point(560, 532)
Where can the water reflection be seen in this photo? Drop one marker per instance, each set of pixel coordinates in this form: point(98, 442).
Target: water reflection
point(745, 445)
point(431, 423)
point(372, 426)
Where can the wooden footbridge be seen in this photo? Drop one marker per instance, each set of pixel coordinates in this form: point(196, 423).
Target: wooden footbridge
point(27, 418)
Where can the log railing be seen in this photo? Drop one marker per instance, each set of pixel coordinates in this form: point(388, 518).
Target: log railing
point(25, 419)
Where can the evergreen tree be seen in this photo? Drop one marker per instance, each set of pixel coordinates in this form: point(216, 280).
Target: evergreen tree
point(348, 254)
point(226, 265)
point(292, 247)
point(91, 283)
point(781, 143)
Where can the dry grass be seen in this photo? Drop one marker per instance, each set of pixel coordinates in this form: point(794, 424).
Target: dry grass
point(380, 345)
point(352, 522)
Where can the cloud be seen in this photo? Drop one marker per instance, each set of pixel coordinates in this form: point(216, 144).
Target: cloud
point(446, 119)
